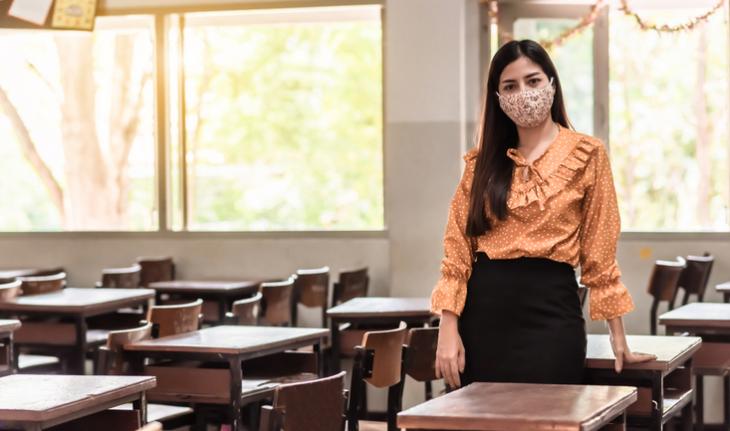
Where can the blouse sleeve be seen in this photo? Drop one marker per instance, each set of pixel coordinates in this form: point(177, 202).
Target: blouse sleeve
point(601, 225)
point(450, 291)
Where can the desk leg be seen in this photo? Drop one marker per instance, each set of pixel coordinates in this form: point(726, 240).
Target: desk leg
point(320, 358)
point(234, 363)
point(335, 347)
point(657, 396)
point(222, 310)
point(699, 402)
point(726, 401)
point(140, 405)
point(726, 296)
point(78, 357)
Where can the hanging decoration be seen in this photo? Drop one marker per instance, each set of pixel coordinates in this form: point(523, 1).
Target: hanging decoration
point(687, 25)
point(590, 18)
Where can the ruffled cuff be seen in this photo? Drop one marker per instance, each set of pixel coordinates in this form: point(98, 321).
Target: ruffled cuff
point(449, 294)
point(610, 301)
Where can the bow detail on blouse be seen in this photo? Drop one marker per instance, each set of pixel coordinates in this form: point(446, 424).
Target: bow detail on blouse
point(528, 171)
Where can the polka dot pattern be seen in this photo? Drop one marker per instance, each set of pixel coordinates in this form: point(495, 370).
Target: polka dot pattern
point(561, 206)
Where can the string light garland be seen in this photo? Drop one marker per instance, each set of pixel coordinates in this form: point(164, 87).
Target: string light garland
point(590, 18)
point(687, 25)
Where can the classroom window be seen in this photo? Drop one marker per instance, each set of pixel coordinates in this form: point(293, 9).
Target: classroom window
point(77, 143)
point(669, 122)
point(282, 120)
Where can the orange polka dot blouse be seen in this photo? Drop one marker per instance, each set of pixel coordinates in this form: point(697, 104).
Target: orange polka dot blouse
point(562, 206)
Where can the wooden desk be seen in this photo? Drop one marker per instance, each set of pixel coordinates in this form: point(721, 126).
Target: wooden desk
point(523, 407)
point(36, 402)
point(665, 385)
point(376, 310)
point(228, 345)
point(222, 293)
point(9, 273)
point(7, 358)
point(711, 321)
point(724, 288)
point(73, 306)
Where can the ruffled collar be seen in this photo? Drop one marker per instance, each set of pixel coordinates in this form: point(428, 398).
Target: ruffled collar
point(539, 180)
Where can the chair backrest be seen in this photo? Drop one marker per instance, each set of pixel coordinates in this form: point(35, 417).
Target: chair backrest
point(695, 276)
point(420, 358)
point(276, 302)
point(151, 426)
point(247, 311)
point(386, 350)
point(9, 290)
point(114, 360)
point(42, 284)
point(663, 286)
point(311, 289)
point(155, 269)
point(175, 319)
point(122, 278)
point(351, 284)
point(303, 406)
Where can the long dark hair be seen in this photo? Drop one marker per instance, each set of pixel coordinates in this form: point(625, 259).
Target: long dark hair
point(497, 133)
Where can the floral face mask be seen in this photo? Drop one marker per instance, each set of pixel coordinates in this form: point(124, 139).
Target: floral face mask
point(530, 107)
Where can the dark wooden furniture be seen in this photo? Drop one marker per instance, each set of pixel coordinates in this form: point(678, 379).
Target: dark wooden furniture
point(11, 273)
point(7, 357)
point(175, 319)
point(276, 303)
point(378, 362)
point(352, 283)
point(124, 278)
point(305, 406)
point(154, 269)
point(710, 321)
point(663, 286)
point(36, 402)
point(246, 311)
point(38, 284)
point(664, 385)
point(695, 276)
point(419, 357)
point(217, 295)
point(311, 289)
point(112, 362)
point(372, 312)
point(724, 288)
point(228, 346)
point(57, 321)
point(523, 407)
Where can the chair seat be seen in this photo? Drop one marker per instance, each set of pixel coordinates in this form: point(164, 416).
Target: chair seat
point(27, 363)
point(96, 337)
point(160, 412)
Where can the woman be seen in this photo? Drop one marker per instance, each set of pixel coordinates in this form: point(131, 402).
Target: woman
point(536, 200)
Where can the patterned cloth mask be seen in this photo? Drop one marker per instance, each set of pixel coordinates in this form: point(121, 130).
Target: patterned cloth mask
point(528, 108)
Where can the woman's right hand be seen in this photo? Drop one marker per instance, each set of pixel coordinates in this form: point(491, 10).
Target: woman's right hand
point(450, 350)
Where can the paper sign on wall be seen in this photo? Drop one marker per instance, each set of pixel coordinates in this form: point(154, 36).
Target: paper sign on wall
point(34, 11)
point(74, 14)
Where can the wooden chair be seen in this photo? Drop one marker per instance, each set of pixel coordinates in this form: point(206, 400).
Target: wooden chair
point(42, 284)
point(9, 290)
point(276, 302)
point(311, 289)
point(155, 269)
point(695, 276)
point(419, 357)
point(663, 286)
point(246, 311)
point(122, 278)
point(175, 319)
point(351, 284)
point(314, 405)
point(378, 362)
point(111, 360)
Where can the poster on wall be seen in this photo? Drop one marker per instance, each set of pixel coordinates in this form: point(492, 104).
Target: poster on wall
point(74, 14)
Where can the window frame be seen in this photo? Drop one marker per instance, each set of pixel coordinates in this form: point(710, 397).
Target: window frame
point(511, 10)
point(164, 17)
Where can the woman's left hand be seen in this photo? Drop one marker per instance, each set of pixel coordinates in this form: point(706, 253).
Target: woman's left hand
point(624, 355)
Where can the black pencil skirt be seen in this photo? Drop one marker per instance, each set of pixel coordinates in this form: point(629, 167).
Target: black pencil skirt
point(522, 322)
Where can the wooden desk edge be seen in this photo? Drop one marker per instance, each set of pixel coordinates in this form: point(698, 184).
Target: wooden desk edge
point(653, 365)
